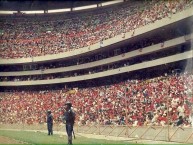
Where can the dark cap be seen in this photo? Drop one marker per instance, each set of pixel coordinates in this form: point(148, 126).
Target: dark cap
point(69, 104)
point(49, 111)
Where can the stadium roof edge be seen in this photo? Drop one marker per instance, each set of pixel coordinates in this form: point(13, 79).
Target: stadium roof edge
point(59, 10)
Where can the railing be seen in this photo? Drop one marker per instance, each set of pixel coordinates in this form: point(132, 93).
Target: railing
point(154, 133)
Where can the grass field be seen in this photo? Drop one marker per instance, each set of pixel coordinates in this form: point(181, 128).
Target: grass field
point(42, 138)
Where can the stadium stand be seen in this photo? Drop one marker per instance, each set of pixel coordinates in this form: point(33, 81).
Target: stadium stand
point(146, 104)
point(23, 37)
point(158, 95)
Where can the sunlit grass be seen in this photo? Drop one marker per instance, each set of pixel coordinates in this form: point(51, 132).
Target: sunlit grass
point(42, 138)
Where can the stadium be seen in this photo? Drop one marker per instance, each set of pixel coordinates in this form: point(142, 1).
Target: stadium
point(125, 65)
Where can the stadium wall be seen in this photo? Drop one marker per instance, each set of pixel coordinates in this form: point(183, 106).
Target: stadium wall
point(142, 65)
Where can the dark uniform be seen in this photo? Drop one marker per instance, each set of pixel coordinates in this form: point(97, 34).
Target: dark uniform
point(180, 121)
point(69, 118)
point(50, 122)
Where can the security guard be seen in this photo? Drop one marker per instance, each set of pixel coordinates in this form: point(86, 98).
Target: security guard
point(69, 119)
point(49, 122)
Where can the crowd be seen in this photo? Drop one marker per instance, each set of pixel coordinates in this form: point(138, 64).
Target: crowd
point(136, 45)
point(134, 102)
point(37, 36)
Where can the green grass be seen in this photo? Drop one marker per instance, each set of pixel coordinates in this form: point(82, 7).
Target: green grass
point(42, 138)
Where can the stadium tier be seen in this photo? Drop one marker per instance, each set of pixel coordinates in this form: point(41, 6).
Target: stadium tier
point(146, 101)
point(42, 35)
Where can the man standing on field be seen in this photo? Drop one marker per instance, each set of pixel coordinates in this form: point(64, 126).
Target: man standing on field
point(69, 119)
point(49, 122)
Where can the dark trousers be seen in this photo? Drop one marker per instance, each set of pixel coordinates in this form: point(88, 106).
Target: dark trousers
point(69, 129)
point(50, 128)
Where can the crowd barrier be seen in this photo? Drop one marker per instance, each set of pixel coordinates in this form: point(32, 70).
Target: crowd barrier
point(154, 133)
